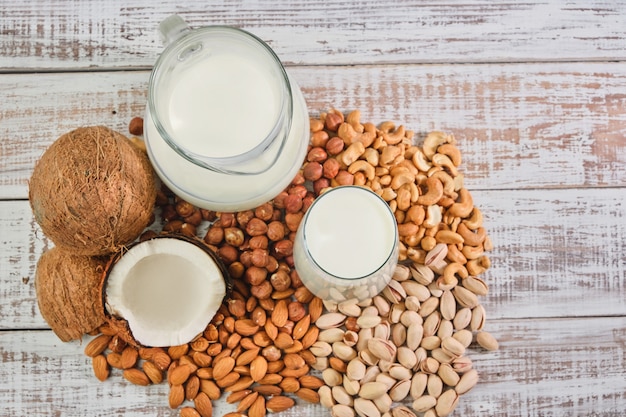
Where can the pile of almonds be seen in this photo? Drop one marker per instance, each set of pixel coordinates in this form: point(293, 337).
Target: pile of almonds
point(399, 354)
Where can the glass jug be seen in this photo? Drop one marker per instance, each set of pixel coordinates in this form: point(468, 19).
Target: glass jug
point(226, 128)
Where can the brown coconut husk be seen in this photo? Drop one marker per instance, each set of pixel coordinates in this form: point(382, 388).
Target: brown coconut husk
point(92, 191)
point(68, 292)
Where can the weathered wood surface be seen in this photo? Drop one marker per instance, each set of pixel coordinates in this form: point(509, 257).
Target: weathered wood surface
point(56, 34)
point(518, 125)
point(546, 367)
point(539, 111)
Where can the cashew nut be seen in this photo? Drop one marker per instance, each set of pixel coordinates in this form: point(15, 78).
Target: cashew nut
point(433, 216)
point(448, 183)
point(387, 126)
point(465, 205)
point(406, 163)
point(414, 240)
point(434, 193)
point(472, 238)
point(432, 142)
point(401, 179)
point(420, 161)
point(442, 160)
point(404, 197)
point(388, 194)
point(371, 156)
point(455, 255)
point(352, 153)
point(449, 237)
point(452, 152)
point(389, 153)
point(385, 179)
point(407, 229)
point(453, 269)
point(354, 118)
point(366, 138)
point(472, 252)
point(359, 178)
point(395, 137)
point(415, 214)
point(347, 133)
point(362, 166)
point(475, 220)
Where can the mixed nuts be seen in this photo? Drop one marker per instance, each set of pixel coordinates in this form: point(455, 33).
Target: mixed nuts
point(398, 354)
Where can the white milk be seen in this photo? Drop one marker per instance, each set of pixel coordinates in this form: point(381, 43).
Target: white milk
point(347, 242)
point(221, 106)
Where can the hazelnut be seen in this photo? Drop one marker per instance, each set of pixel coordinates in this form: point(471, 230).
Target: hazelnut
point(236, 270)
point(246, 258)
point(208, 215)
point(319, 139)
point(279, 200)
point(258, 316)
point(344, 178)
point(275, 231)
point(234, 236)
point(237, 307)
point(303, 295)
point(283, 248)
point(272, 264)
point(320, 184)
point(243, 217)
point(308, 200)
point(173, 226)
point(256, 227)
point(334, 146)
point(333, 121)
point(317, 154)
point(298, 179)
point(184, 209)
point(351, 325)
point(264, 212)
point(194, 218)
point(296, 282)
point(260, 257)
point(315, 125)
point(135, 127)
point(330, 168)
point(147, 235)
point(255, 275)
point(188, 229)
point(292, 220)
point(312, 171)
point(228, 254)
point(299, 190)
point(258, 242)
point(293, 203)
point(161, 198)
point(262, 291)
point(280, 280)
point(168, 213)
point(296, 311)
point(214, 235)
point(271, 353)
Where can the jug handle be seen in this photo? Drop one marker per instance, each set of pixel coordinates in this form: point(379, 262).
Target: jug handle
point(172, 28)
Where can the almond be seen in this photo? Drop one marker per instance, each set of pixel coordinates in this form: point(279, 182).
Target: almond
point(203, 405)
point(257, 409)
point(129, 357)
point(237, 396)
point(115, 360)
point(283, 341)
point(242, 383)
point(205, 373)
point(293, 361)
point(179, 375)
point(175, 352)
point(270, 379)
point(279, 403)
point(210, 389)
point(247, 402)
point(176, 396)
point(100, 367)
point(192, 387)
point(136, 376)
point(97, 345)
point(222, 367)
point(310, 381)
point(227, 380)
point(289, 384)
point(301, 327)
point(296, 373)
point(267, 389)
point(258, 368)
point(309, 395)
point(246, 327)
point(310, 337)
point(153, 372)
point(280, 315)
point(189, 412)
point(161, 359)
point(247, 357)
point(316, 307)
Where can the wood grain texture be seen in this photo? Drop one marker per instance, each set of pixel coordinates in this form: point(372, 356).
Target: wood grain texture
point(546, 367)
point(558, 253)
point(518, 126)
point(56, 34)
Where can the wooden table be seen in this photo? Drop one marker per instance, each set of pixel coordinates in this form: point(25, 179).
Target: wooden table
point(535, 93)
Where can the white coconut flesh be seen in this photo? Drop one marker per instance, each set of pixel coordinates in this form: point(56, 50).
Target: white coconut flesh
point(167, 289)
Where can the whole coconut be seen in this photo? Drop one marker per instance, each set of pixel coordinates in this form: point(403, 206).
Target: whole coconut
point(68, 292)
point(92, 191)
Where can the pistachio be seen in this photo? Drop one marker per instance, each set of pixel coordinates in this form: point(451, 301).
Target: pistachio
point(366, 408)
point(400, 390)
point(341, 396)
point(486, 340)
point(382, 349)
point(467, 381)
point(424, 403)
point(356, 369)
point(326, 397)
point(372, 390)
point(447, 402)
point(330, 320)
point(341, 410)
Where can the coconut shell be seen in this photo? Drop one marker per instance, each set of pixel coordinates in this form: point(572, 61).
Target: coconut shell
point(92, 192)
point(68, 292)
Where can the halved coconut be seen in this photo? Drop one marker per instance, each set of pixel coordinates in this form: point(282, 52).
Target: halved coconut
point(166, 290)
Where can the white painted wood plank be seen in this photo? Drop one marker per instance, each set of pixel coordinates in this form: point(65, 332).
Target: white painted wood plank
point(518, 126)
point(54, 34)
point(557, 253)
point(544, 367)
